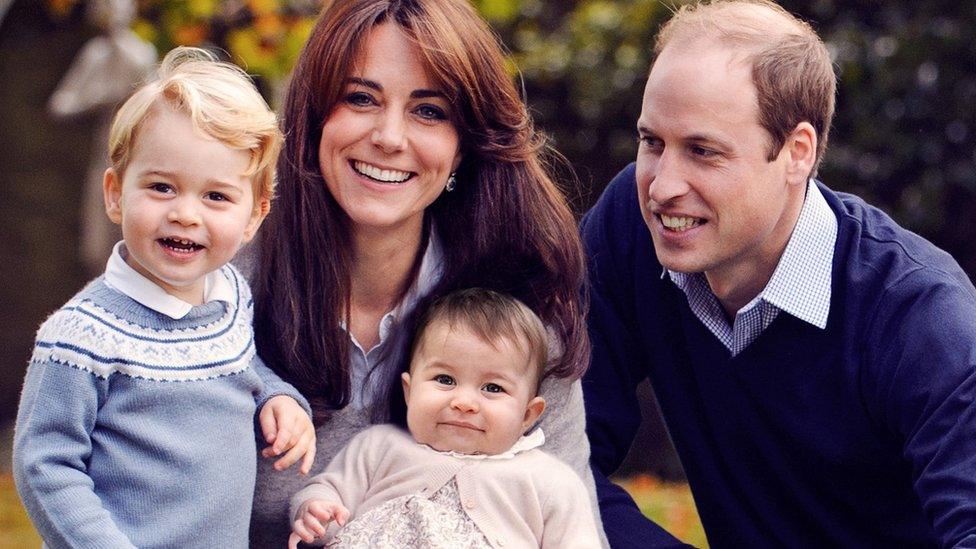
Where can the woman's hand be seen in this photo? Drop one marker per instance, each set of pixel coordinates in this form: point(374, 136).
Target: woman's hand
point(287, 428)
point(313, 518)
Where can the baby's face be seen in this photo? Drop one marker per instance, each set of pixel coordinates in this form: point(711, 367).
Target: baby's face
point(184, 203)
point(465, 395)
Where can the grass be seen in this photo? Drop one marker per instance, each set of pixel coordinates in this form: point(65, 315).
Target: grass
point(15, 529)
point(669, 504)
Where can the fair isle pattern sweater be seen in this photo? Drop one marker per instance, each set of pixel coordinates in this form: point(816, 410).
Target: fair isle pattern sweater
point(135, 429)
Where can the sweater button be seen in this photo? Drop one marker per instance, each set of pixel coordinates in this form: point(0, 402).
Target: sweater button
point(469, 504)
point(500, 542)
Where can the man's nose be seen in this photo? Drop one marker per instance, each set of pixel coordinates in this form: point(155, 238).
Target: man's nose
point(668, 180)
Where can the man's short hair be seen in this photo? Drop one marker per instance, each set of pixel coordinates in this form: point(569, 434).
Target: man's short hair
point(491, 316)
point(791, 68)
point(220, 100)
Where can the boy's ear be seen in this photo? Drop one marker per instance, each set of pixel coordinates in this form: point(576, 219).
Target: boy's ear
point(405, 378)
point(261, 209)
point(533, 410)
point(112, 194)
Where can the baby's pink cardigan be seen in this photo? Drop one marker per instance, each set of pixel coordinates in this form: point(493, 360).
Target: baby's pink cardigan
point(529, 500)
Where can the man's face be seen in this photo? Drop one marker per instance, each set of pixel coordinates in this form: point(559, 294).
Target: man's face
point(711, 199)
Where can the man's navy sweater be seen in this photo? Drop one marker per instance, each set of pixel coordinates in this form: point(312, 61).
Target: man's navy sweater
point(860, 434)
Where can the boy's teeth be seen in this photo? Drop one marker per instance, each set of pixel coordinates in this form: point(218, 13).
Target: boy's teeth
point(386, 176)
point(680, 223)
point(181, 243)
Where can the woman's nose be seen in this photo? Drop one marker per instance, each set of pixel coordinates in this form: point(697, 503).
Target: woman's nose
point(389, 134)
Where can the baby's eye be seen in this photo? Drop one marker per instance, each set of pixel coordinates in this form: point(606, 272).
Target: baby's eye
point(444, 379)
point(160, 187)
point(217, 197)
point(493, 388)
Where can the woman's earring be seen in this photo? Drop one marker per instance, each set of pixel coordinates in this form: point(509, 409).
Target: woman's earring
point(451, 182)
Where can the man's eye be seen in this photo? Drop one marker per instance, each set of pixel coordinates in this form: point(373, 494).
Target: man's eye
point(650, 142)
point(444, 379)
point(493, 388)
point(702, 151)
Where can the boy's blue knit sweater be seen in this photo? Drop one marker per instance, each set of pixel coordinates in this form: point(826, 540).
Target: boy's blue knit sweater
point(135, 429)
point(862, 434)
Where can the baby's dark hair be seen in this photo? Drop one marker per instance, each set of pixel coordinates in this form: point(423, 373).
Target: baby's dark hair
point(491, 316)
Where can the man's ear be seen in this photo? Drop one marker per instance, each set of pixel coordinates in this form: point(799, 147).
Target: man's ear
point(112, 194)
point(261, 209)
point(405, 378)
point(533, 410)
point(801, 150)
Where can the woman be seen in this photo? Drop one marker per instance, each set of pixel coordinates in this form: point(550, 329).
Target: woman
point(410, 169)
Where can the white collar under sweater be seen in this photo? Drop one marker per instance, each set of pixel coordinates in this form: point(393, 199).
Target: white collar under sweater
point(120, 276)
point(535, 439)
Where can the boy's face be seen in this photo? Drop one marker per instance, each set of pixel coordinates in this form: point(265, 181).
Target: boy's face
point(184, 205)
point(465, 395)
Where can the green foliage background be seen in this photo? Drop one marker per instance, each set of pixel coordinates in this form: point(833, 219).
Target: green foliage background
point(903, 137)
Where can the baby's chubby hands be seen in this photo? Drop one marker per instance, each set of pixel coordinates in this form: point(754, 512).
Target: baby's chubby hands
point(313, 518)
point(287, 428)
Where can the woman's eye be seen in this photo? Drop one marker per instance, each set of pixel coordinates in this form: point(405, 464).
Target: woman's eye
point(359, 99)
point(493, 388)
point(444, 379)
point(431, 112)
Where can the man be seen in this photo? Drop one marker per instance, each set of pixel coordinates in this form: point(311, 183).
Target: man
point(814, 362)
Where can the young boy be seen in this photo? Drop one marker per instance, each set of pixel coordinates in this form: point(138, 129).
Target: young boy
point(136, 423)
point(465, 475)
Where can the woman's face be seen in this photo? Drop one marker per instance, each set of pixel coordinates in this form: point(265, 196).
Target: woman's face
point(389, 145)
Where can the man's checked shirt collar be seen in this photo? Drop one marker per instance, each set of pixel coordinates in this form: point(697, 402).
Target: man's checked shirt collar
point(800, 285)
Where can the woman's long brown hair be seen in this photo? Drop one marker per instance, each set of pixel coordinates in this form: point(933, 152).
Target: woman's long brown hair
point(506, 226)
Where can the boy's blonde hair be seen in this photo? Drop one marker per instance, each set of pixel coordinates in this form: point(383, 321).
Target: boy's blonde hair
point(221, 101)
point(491, 316)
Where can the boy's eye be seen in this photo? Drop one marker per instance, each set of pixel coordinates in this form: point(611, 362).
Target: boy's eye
point(493, 388)
point(444, 379)
point(217, 197)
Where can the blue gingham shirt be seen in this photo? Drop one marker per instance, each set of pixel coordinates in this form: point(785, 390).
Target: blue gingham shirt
point(800, 285)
